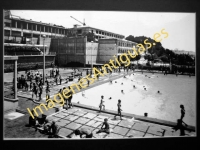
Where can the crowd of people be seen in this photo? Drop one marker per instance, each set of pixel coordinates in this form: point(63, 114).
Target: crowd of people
point(33, 81)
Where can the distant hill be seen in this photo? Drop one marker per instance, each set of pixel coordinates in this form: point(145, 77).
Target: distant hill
point(184, 52)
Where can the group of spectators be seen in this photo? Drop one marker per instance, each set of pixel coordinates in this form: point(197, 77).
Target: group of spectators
point(44, 125)
point(50, 127)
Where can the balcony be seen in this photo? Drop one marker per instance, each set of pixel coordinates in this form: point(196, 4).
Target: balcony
point(28, 54)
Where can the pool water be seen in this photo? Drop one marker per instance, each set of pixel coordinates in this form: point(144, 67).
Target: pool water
point(164, 105)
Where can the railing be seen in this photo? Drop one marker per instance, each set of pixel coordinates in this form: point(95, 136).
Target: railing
point(27, 53)
point(51, 53)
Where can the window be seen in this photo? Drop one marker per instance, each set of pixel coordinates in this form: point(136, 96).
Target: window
point(34, 27)
point(18, 24)
point(65, 32)
point(13, 23)
point(79, 31)
point(46, 29)
point(29, 26)
point(38, 27)
point(53, 30)
point(41, 28)
point(7, 24)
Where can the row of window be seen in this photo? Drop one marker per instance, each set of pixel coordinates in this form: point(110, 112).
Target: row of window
point(42, 28)
point(109, 34)
point(18, 34)
point(35, 27)
point(124, 50)
point(124, 44)
point(100, 37)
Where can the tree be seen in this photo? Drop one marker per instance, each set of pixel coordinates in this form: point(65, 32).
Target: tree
point(164, 58)
point(137, 58)
point(130, 38)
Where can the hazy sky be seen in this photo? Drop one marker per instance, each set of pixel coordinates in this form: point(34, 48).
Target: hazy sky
point(180, 26)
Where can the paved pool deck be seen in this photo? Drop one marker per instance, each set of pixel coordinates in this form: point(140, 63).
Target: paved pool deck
point(76, 118)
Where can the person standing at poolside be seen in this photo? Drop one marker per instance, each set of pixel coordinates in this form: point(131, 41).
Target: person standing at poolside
point(31, 84)
point(66, 100)
point(60, 80)
point(119, 109)
point(56, 80)
point(34, 91)
point(40, 92)
point(182, 112)
point(101, 104)
point(47, 92)
point(70, 100)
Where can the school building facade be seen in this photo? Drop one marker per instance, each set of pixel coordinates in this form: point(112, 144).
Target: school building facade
point(77, 50)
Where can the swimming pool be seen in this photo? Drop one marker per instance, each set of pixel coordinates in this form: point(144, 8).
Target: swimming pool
point(164, 105)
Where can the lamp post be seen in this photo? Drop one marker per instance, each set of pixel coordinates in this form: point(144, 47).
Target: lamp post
point(43, 59)
point(91, 57)
point(116, 52)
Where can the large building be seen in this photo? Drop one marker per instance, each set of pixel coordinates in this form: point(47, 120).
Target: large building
point(16, 28)
point(78, 51)
point(71, 45)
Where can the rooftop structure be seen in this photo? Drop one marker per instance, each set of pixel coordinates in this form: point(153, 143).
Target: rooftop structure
point(19, 27)
point(99, 33)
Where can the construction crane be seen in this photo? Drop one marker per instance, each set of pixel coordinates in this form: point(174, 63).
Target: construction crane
point(79, 21)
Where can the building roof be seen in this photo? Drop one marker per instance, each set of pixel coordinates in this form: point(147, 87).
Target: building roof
point(95, 29)
point(118, 40)
point(41, 23)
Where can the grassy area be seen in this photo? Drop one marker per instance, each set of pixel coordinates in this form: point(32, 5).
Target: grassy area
point(16, 128)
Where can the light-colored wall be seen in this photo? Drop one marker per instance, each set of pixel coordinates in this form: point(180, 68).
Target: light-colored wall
point(8, 105)
point(106, 52)
point(91, 52)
